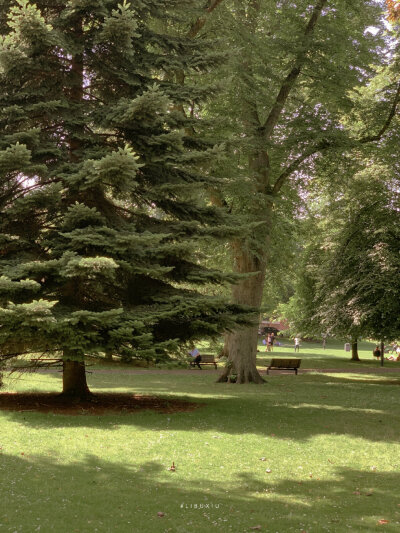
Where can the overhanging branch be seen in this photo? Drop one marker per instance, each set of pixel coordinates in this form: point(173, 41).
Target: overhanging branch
point(325, 144)
point(294, 165)
point(199, 23)
point(289, 81)
point(385, 126)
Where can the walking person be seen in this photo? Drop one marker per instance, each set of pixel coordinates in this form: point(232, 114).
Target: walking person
point(272, 337)
point(297, 344)
point(268, 342)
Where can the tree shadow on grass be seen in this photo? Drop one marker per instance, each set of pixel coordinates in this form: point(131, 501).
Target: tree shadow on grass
point(89, 495)
point(289, 407)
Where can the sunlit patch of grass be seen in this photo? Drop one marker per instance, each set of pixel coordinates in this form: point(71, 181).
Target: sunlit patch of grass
point(313, 452)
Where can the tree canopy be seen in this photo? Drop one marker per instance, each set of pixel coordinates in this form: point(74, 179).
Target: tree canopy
point(101, 215)
point(305, 85)
point(120, 125)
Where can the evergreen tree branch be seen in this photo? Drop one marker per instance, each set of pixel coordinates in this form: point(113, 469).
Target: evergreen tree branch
point(289, 81)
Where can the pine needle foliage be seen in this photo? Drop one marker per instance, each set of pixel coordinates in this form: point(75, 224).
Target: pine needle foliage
point(99, 181)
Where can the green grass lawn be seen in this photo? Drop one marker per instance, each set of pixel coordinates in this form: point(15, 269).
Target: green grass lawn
point(330, 444)
point(314, 356)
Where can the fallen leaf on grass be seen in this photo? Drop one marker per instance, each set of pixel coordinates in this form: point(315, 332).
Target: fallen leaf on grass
point(357, 493)
point(256, 527)
point(160, 514)
point(383, 521)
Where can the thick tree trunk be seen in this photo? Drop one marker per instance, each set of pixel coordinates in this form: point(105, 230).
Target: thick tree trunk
point(354, 349)
point(241, 365)
point(74, 380)
point(241, 345)
point(74, 373)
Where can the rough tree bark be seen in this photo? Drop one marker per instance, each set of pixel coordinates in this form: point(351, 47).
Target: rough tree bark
point(241, 344)
point(74, 379)
point(354, 349)
point(108, 354)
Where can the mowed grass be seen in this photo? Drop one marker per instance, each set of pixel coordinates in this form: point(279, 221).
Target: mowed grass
point(314, 356)
point(313, 452)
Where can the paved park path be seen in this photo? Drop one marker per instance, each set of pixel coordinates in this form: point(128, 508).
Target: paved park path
point(363, 370)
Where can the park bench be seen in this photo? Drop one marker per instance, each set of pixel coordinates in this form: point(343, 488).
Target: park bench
point(206, 359)
point(284, 364)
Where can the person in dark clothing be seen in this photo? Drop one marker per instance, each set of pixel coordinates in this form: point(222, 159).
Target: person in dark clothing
point(376, 353)
point(196, 357)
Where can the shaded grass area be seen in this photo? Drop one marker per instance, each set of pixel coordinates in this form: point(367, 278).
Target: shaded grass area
point(330, 444)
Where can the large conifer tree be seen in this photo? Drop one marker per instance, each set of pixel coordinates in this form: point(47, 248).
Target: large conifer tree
point(99, 184)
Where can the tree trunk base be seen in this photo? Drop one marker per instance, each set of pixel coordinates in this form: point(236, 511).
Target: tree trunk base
point(75, 386)
point(73, 397)
point(354, 350)
point(228, 376)
point(241, 348)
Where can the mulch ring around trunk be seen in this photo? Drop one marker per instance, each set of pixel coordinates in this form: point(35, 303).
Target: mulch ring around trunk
point(97, 404)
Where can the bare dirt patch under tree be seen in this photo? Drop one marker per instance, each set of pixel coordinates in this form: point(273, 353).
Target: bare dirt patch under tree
point(98, 404)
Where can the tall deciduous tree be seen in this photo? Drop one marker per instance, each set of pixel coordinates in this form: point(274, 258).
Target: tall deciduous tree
point(362, 277)
point(348, 278)
point(99, 184)
point(287, 91)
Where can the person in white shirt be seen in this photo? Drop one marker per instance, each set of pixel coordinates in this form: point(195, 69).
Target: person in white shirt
point(296, 344)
